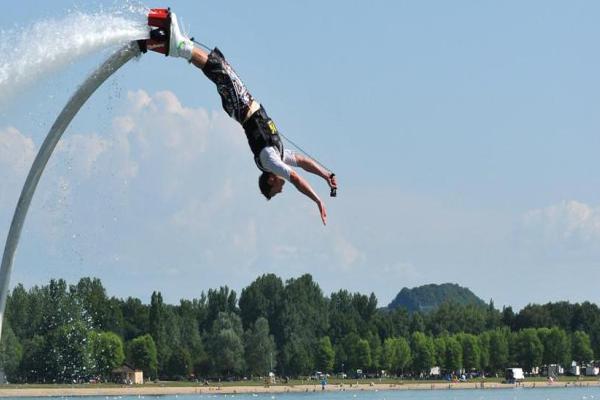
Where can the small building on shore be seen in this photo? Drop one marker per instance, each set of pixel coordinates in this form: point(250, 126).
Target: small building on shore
point(128, 375)
point(592, 370)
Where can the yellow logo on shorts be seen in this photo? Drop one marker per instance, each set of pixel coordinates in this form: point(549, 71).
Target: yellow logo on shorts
point(272, 127)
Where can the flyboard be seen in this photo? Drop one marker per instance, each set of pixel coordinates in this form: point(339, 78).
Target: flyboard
point(159, 21)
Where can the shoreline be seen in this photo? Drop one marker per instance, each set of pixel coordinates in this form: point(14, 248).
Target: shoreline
point(158, 390)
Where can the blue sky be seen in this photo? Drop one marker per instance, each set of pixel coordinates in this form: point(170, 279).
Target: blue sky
point(464, 135)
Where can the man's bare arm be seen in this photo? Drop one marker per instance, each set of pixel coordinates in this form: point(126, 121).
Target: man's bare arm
point(309, 165)
point(304, 187)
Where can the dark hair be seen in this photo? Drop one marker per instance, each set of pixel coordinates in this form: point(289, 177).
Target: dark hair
point(263, 184)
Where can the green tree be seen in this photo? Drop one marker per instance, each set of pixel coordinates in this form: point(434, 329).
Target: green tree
point(225, 345)
point(387, 357)
point(33, 367)
point(403, 354)
point(343, 318)
point(91, 296)
point(136, 318)
point(582, 347)
point(454, 355)
point(36, 309)
point(528, 348)
point(106, 352)
point(446, 318)
point(358, 352)
point(325, 356)
point(499, 348)
point(158, 331)
point(396, 355)
point(69, 352)
point(189, 314)
point(484, 350)
point(114, 320)
point(423, 352)
point(297, 360)
point(416, 323)
point(474, 319)
point(375, 349)
point(508, 317)
point(595, 337)
point(493, 317)
point(341, 358)
point(440, 350)
point(142, 354)
point(556, 345)
point(363, 354)
point(263, 298)
point(260, 351)
point(11, 353)
point(219, 301)
point(18, 312)
point(400, 322)
point(452, 317)
point(59, 307)
point(584, 316)
point(533, 316)
point(471, 351)
point(304, 318)
point(366, 308)
point(179, 365)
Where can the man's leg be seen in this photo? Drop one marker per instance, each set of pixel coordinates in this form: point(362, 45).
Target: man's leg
point(199, 57)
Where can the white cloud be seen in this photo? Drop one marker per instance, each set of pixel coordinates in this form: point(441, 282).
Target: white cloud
point(200, 214)
point(138, 100)
point(83, 151)
point(402, 271)
point(570, 223)
point(284, 252)
point(16, 151)
point(347, 253)
point(123, 124)
point(159, 135)
point(246, 239)
point(160, 123)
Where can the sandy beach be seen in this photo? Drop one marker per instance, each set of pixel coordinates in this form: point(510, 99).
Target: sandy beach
point(158, 389)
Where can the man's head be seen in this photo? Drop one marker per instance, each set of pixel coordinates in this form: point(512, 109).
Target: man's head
point(270, 184)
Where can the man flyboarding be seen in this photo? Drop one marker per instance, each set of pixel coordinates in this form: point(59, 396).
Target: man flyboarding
point(271, 158)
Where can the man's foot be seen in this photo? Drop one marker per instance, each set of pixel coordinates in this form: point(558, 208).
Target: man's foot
point(179, 44)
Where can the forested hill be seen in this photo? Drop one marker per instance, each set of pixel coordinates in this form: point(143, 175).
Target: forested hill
point(429, 297)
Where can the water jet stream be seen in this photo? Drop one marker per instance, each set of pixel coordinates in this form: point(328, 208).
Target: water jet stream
point(77, 100)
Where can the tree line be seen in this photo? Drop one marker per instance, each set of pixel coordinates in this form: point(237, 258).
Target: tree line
point(70, 333)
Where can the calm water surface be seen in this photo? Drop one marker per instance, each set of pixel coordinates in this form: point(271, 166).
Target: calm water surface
point(577, 393)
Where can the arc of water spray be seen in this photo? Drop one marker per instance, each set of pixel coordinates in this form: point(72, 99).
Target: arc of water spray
point(77, 100)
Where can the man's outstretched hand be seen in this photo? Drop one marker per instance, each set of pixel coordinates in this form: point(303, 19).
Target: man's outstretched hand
point(323, 212)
